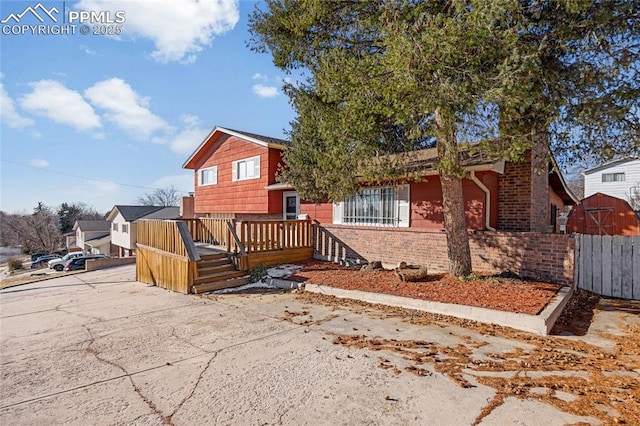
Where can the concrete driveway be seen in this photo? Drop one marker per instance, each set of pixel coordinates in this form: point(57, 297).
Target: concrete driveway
point(100, 348)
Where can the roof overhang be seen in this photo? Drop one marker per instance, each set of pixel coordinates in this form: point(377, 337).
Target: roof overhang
point(279, 187)
point(187, 164)
point(97, 242)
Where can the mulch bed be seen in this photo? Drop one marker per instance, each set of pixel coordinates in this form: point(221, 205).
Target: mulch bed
point(485, 291)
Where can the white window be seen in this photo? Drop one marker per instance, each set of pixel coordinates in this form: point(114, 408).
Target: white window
point(613, 177)
point(114, 226)
point(125, 228)
point(249, 168)
point(384, 206)
point(208, 176)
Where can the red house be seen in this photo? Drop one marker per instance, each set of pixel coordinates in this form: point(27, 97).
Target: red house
point(514, 202)
point(235, 177)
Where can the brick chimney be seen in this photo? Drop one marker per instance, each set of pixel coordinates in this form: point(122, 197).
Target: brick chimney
point(187, 207)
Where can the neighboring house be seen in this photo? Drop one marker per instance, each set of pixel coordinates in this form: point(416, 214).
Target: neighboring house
point(93, 236)
point(616, 178)
point(123, 224)
point(70, 240)
point(601, 214)
point(235, 176)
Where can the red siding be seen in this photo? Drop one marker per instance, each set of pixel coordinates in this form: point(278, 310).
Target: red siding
point(602, 214)
point(322, 213)
point(247, 196)
point(426, 204)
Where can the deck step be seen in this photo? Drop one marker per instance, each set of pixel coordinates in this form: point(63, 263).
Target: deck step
point(206, 270)
point(214, 262)
point(213, 256)
point(219, 285)
point(218, 276)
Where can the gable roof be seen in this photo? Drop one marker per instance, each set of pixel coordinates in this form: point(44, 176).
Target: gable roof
point(164, 213)
point(133, 213)
point(609, 164)
point(266, 141)
point(92, 225)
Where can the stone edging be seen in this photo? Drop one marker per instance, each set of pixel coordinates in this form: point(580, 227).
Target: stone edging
point(539, 324)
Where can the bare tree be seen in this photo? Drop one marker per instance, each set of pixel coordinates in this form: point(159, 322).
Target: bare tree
point(577, 186)
point(168, 197)
point(634, 196)
point(39, 231)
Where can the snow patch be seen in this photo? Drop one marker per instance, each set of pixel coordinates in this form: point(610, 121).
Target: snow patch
point(278, 272)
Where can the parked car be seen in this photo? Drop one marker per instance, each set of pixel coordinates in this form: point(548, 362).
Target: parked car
point(80, 262)
point(58, 264)
point(43, 261)
point(35, 256)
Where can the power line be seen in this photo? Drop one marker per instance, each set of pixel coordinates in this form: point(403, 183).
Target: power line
point(81, 177)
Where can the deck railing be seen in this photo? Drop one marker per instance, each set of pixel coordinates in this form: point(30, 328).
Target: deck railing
point(209, 230)
point(271, 235)
point(166, 255)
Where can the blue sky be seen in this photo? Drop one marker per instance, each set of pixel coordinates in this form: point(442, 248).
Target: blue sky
point(93, 118)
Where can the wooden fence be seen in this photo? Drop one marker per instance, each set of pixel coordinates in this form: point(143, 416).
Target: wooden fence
point(609, 266)
point(166, 255)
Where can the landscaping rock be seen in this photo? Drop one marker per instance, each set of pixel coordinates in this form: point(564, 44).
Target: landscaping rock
point(411, 273)
point(376, 265)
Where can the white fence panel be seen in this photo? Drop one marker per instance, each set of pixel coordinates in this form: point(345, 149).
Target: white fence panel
point(609, 266)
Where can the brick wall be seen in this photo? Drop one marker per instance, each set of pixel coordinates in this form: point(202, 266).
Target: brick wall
point(514, 196)
point(548, 257)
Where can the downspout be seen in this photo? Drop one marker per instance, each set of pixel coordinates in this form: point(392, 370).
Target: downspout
point(487, 201)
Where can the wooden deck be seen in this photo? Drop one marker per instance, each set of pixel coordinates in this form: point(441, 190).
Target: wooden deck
point(199, 255)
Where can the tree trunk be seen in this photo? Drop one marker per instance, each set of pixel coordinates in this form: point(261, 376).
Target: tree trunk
point(451, 172)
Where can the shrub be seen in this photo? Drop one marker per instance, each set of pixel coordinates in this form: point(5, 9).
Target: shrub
point(14, 263)
point(258, 273)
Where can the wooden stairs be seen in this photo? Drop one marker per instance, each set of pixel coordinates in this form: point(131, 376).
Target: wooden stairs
point(217, 271)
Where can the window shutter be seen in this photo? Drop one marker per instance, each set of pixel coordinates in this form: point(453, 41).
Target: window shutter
point(404, 205)
point(337, 213)
point(234, 171)
point(256, 164)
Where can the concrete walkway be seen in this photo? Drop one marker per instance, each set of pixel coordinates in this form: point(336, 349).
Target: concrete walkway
point(100, 348)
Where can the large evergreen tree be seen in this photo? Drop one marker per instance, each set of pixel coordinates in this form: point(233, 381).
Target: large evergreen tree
point(388, 77)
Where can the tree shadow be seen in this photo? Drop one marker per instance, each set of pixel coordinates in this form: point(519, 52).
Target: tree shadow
point(577, 316)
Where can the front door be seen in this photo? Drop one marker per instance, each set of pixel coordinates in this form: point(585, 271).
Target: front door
point(291, 206)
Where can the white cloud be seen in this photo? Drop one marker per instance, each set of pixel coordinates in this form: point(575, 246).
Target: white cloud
point(258, 76)
point(87, 50)
point(183, 183)
point(188, 140)
point(125, 108)
point(39, 163)
point(265, 91)
point(52, 99)
point(8, 112)
point(104, 186)
point(179, 29)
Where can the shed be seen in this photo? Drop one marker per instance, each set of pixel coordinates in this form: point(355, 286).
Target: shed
point(601, 214)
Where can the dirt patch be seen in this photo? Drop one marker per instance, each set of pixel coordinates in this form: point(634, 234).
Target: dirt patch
point(484, 290)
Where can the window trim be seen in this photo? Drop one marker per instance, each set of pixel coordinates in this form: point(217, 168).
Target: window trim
point(613, 177)
point(235, 173)
point(401, 208)
point(206, 169)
